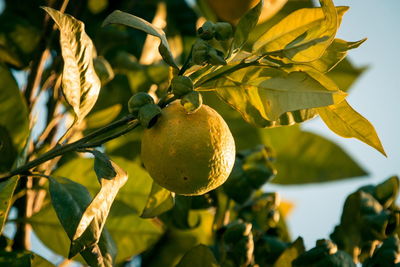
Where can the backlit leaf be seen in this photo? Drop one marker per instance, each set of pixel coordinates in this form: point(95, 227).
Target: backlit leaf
point(64, 191)
point(268, 93)
point(303, 157)
point(303, 35)
point(246, 24)
point(132, 235)
point(134, 194)
point(6, 192)
point(343, 120)
point(103, 117)
point(80, 83)
point(345, 74)
point(290, 253)
point(96, 213)
point(159, 201)
point(14, 122)
point(198, 256)
point(119, 17)
point(335, 53)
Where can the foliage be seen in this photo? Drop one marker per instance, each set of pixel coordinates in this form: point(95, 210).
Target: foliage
point(79, 181)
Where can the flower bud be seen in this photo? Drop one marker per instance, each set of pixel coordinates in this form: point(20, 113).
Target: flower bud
point(223, 31)
point(216, 57)
point(148, 115)
point(192, 101)
point(181, 85)
point(137, 101)
point(206, 32)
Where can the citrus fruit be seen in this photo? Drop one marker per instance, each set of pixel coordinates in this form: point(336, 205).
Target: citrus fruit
point(189, 154)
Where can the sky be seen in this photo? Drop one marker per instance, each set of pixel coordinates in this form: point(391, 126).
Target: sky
point(375, 95)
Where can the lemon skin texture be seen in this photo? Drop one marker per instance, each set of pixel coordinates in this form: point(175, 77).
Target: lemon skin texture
point(189, 154)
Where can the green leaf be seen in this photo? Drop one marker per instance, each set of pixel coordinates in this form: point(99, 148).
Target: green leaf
point(91, 224)
point(64, 191)
point(19, 38)
point(177, 242)
point(271, 92)
point(14, 122)
point(304, 35)
point(103, 117)
point(290, 253)
point(160, 200)
point(80, 83)
point(103, 70)
point(16, 259)
point(335, 53)
point(345, 74)
point(103, 167)
point(246, 25)
point(134, 194)
point(303, 157)
point(6, 193)
point(119, 17)
point(343, 120)
point(132, 234)
point(198, 256)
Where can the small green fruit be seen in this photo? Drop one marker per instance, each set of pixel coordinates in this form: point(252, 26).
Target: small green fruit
point(148, 115)
point(192, 101)
point(223, 31)
point(181, 85)
point(206, 32)
point(137, 101)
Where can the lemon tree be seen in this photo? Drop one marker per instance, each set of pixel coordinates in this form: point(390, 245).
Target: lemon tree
point(157, 132)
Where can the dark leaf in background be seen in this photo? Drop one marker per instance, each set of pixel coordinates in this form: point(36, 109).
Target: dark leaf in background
point(303, 157)
point(199, 256)
point(14, 122)
point(63, 191)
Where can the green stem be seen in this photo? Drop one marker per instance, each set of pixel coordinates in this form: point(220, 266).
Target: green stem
point(62, 149)
point(215, 75)
point(111, 137)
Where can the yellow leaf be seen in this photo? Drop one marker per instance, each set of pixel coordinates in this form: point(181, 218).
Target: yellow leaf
point(342, 119)
point(304, 35)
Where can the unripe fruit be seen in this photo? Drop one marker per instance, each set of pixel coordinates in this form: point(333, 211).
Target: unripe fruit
point(223, 31)
point(216, 57)
point(181, 85)
point(207, 31)
point(192, 101)
point(137, 101)
point(148, 115)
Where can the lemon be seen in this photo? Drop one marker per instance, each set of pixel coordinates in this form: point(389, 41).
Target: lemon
point(189, 154)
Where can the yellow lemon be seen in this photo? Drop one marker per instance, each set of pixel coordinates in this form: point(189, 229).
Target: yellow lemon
point(189, 154)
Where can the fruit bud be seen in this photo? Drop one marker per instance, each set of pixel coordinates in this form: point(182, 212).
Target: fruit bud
point(223, 31)
point(200, 52)
point(192, 101)
point(148, 115)
point(181, 85)
point(206, 32)
point(139, 100)
point(237, 231)
point(216, 57)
